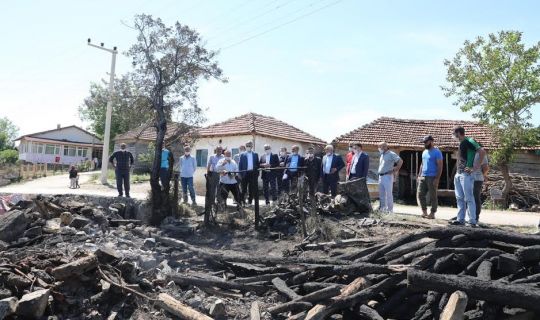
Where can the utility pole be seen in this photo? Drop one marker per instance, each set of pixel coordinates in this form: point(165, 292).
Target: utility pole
point(105, 157)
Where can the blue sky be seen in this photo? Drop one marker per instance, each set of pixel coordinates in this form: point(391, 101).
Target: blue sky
point(327, 73)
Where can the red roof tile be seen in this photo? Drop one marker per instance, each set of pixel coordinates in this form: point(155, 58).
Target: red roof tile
point(253, 123)
point(408, 133)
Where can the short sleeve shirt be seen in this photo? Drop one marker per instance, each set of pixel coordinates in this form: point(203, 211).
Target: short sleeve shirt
point(165, 158)
point(387, 161)
point(478, 174)
point(429, 162)
point(467, 150)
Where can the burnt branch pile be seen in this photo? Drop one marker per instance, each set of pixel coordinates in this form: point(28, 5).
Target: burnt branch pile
point(102, 267)
point(525, 193)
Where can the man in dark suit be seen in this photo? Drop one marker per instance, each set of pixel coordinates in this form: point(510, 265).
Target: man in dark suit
point(359, 163)
point(313, 170)
point(282, 185)
point(269, 160)
point(294, 161)
point(331, 164)
point(122, 161)
point(249, 172)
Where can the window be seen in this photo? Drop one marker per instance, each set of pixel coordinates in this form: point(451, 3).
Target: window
point(37, 148)
point(52, 149)
point(70, 151)
point(82, 152)
point(201, 157)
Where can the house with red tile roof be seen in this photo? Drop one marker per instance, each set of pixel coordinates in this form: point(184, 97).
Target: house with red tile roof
point(230, 134)
point(404, 136)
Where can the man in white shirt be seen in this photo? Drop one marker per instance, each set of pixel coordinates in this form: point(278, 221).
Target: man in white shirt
point(227, 169)
point(389, 165)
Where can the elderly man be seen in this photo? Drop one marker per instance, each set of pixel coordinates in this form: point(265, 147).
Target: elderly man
point(428, 179)
point(359, 163)
point(212, 182)
point(269, 161)
point(282, 185)
point(313, 170)
point(464, 179)
point(187, 165)
point(227, 169)
point(241, 150)
point(294, 161)
point(122, 161)
point(389, 165)
point(332, 163)
point(249, 172)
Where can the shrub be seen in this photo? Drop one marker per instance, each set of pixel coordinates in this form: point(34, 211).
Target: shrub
point(9, 156)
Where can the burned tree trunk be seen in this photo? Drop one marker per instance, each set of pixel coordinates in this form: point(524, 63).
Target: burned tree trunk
point(500, 293)
point(160, 197)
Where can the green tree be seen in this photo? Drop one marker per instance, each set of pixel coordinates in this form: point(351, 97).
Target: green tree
point(9, 156)
point(130, 109)
point(498, 78)
point(8, 133)
point(169, 62)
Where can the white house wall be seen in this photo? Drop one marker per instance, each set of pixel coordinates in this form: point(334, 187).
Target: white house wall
point(234, 142)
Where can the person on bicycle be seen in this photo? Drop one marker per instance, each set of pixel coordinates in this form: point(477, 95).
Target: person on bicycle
point(228, 169)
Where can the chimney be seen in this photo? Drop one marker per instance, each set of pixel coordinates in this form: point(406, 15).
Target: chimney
point(58, 126)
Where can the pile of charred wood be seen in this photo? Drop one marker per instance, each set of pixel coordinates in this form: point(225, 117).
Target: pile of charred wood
point(525, 192)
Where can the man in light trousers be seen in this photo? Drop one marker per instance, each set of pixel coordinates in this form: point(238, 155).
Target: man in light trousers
point(464, 179)
point(187, 166)
point(389, 165)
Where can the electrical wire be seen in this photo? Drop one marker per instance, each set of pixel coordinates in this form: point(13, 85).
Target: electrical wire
point(280, 25)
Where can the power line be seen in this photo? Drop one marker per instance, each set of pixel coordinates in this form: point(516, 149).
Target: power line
point(225, 31)
point(280, 25)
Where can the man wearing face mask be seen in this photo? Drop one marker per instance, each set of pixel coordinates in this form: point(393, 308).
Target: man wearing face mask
point(294, 161)
point(187, 166)
point(428, 179)
point(282, 185)
point(124, 162)
point(349, 160)
point(464, 178)
point(227, 180)
point(212, 182)
point(269, 160)
point(331, 164)
point(389, 165)
point(249, 172)
point(313, 170)
point(359, 163)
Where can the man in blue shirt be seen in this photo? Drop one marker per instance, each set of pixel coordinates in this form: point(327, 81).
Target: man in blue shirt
point(164, 172)
point(293, 162)
point(428, 179)
point(249, 172)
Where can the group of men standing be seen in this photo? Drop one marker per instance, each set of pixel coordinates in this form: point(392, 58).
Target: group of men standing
point(472, 168)
point(279, 172)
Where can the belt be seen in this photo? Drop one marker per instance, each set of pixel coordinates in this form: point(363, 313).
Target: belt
point(383, 174)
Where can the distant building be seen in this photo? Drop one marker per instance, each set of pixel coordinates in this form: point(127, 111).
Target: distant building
point(404, 137)
point(67, 145)
point(230, 134)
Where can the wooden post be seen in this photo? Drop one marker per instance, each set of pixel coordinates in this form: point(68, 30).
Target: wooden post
point(256, 201)
point(300, 188)
point(447, 174)
point(175, 194)
point(411, 173)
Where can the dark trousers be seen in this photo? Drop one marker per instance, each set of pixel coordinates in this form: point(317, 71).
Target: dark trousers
point(269, 186)
point(232, 188)
point(249, 183)
point(212, 183)
point(283, 186)
point(122, 178)
point(312, 185)
point(425, 187)
point(330, 183)
point(164, 177)
point(477, 191)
